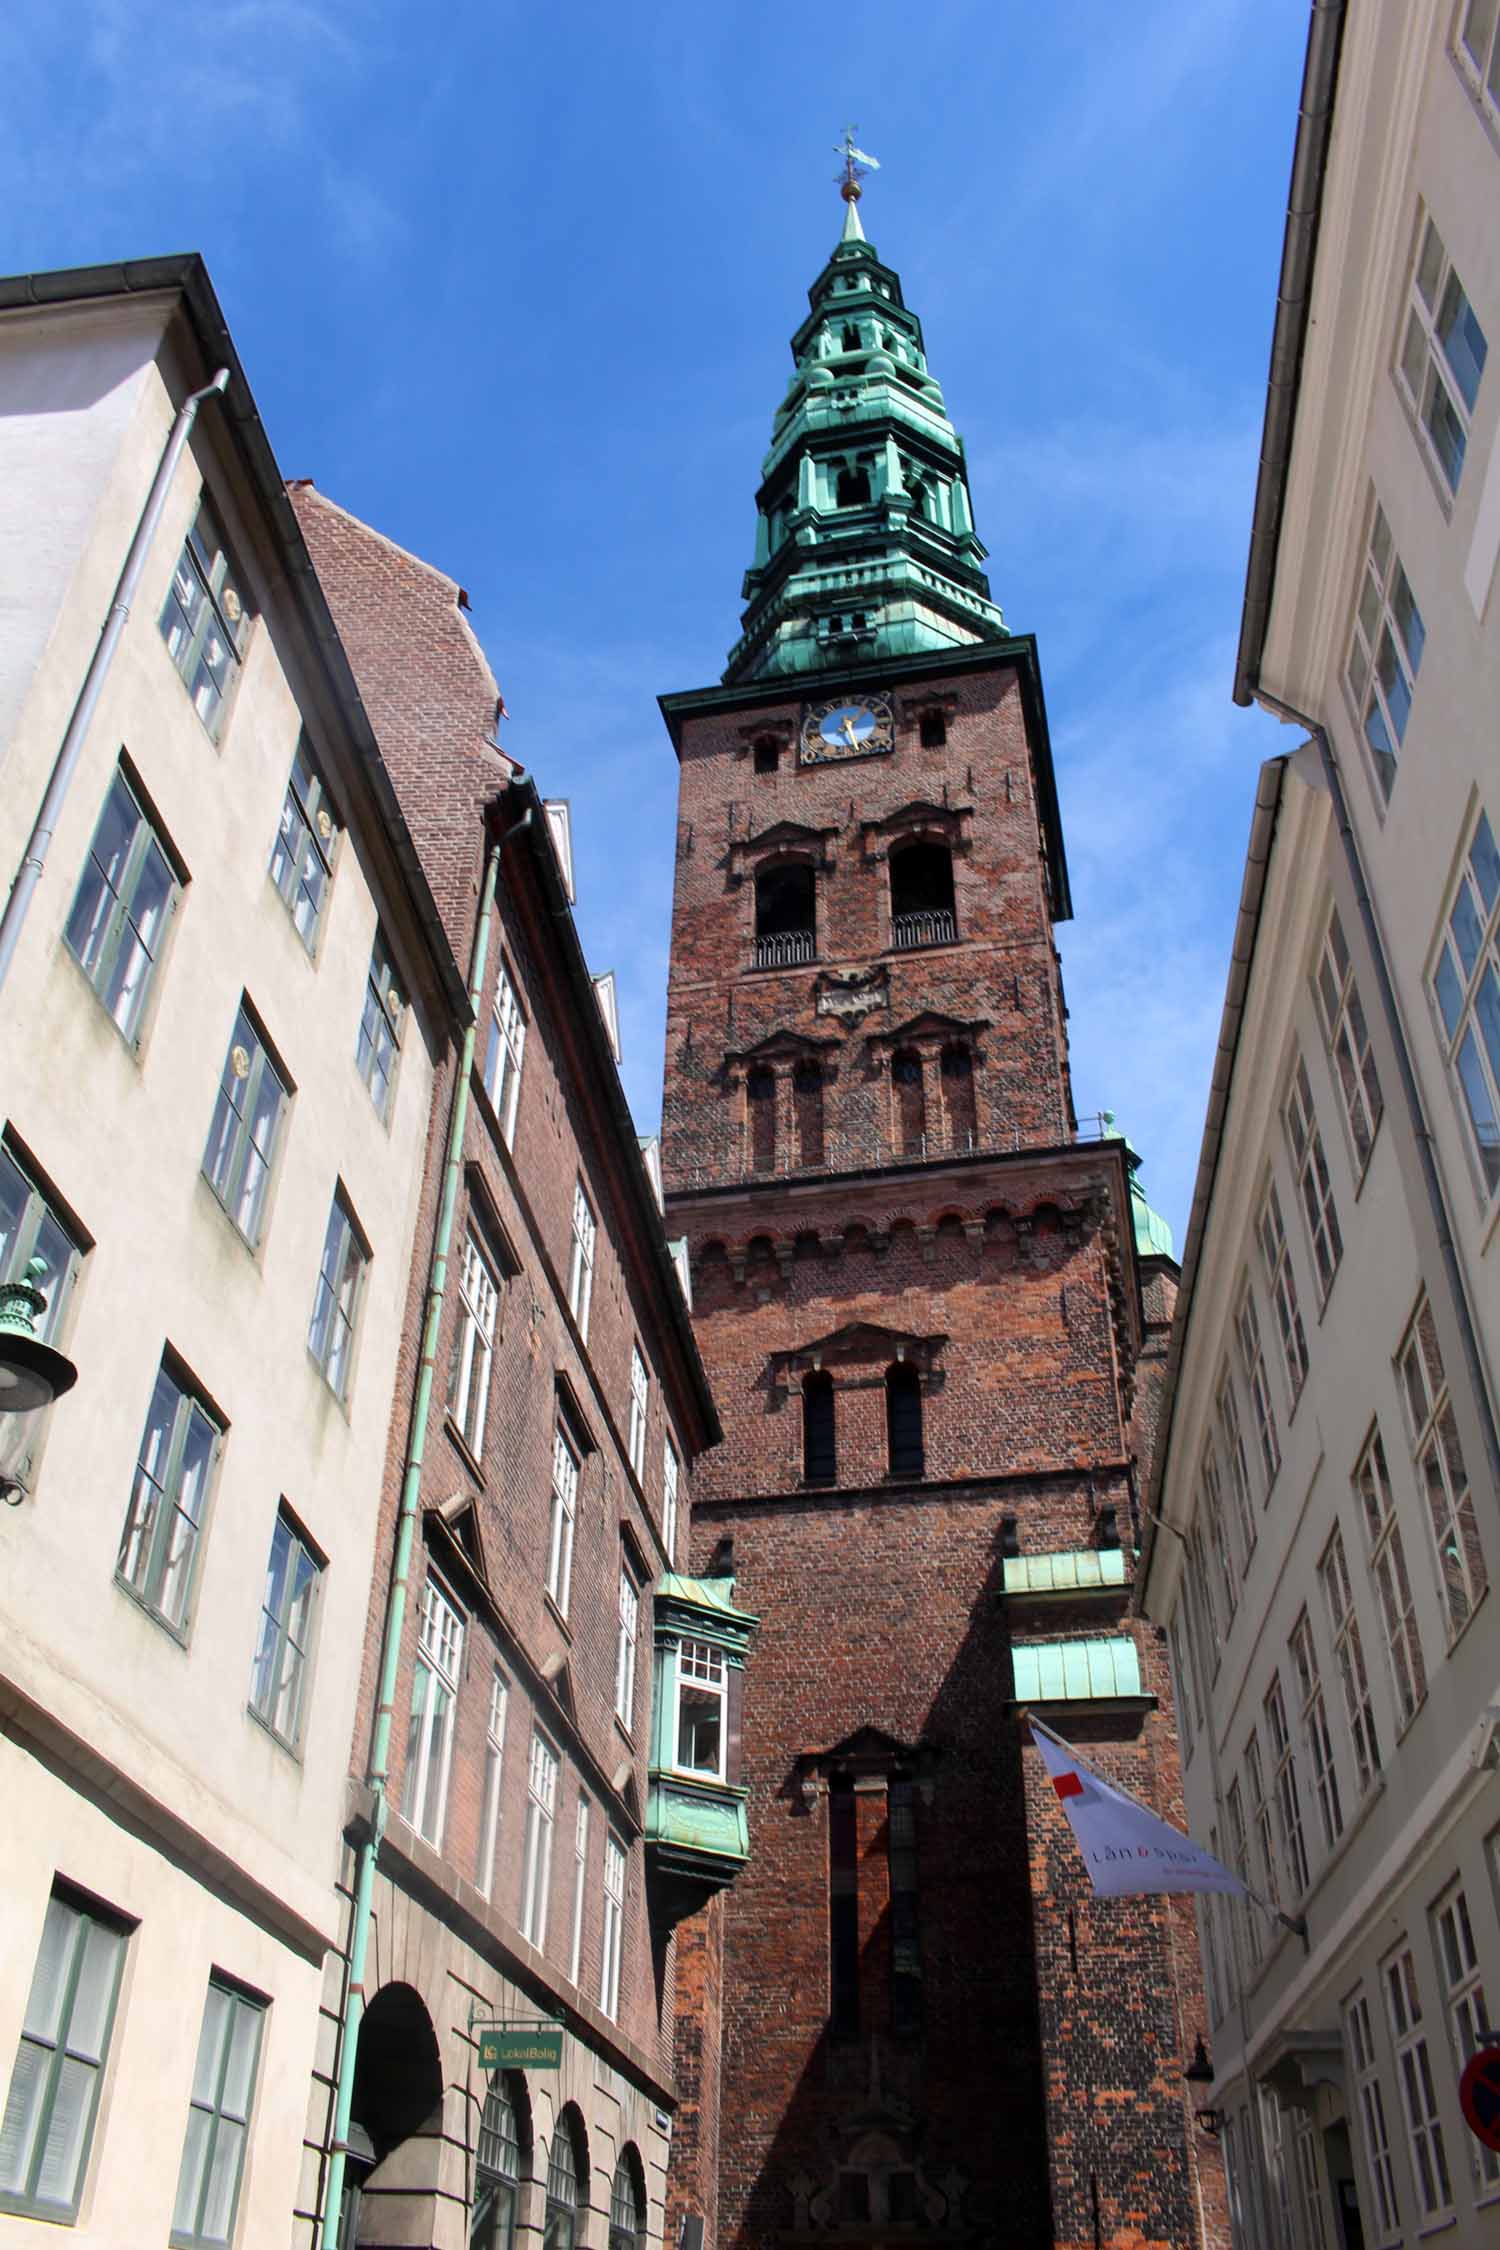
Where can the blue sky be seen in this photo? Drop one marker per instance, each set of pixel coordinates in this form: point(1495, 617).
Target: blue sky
point(516, 284)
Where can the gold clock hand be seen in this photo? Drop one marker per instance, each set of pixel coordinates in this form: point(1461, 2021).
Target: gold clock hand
point(847, 724)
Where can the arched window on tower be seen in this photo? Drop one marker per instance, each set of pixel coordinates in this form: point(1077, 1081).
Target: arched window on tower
point(958, 1097)
point(903, 1420)
point(767, 754)
point(911, 1101)
point(807, 1105)
point(760, 1112)
point(498, 2171)
point(932, 730)
point(819, 1452)
point(785, 925)
point(922, 910)
point(851, 337)
point(853, 487)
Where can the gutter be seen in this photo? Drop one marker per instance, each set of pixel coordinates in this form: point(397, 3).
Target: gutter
point(1221, 1087)
point(1325, 33)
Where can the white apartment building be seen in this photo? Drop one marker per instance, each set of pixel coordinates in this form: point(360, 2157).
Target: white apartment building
point(218, 1037)
point(1323, 1521)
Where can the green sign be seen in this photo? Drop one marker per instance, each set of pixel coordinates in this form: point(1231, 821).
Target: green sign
point(522, 2047)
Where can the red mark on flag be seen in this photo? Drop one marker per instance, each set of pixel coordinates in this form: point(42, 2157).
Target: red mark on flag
point(1067, 1784)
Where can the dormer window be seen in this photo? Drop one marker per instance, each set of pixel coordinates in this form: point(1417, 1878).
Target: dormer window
point(700, 1735)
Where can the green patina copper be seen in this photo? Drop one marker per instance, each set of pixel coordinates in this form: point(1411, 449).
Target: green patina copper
point(696, 1828)
point(1084, 1571)
point(1092, 1671)
point(865, 544)
point(1153, 1236)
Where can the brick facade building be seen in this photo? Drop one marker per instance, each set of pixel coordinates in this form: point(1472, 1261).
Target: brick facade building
point(919, 1297)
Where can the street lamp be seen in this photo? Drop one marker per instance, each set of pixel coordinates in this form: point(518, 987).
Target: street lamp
point(32, 1374)
point(1200, 2072)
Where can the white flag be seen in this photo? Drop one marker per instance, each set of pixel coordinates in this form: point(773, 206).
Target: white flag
point(1125, 1848)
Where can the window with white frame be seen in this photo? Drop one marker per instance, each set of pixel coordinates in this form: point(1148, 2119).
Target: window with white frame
point(1288, 1798)
point(283, 1647)
point(1315, 1730)
point(581, 1259)
point(640, 1395)
point(30, 1232)
point(1313, 1184)
point(1189, 1706)
point(1387, 1566)
point(159, 1544)
point(242, 1134)
point(1257, 1383)
point(1241, 1921)
point(563, 1515)
point(379, 1043)
point(1370, 2093)
point(341, 1272)
point(580, 1885)
point(614, 1926)
point(702, 1688)
point(1386, 642)
point(1463, 1999)
point(1442, 355)
point(1478, 50)
point(223, 2090)
point(494, 1770)
point(1232, 1438)
point(536, 1859)
point(502, 1061)
point(1305, 2139)
point(1278, 2193)
point(1219, 1571)
point(1261, 1831)
point(205, 620)
point(1282, 1284)
point(1211, 1929)
point(669, 1477)
point(1424, 2131)
point(60, 2057)
point(1433, 1432)
point(1347, 1038)
point(1349, 1655)
point(306, 841)
point(625, 1649)
point(1465, 981)
point(434, 1694)
point(473, 1342)
point(126, 896)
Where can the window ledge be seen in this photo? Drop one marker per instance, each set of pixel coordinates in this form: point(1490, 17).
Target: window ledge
point(625, 1734)
point(178, 1633)
point(1437, 2226)
point(462, 1448)
point(1458, 1635)
point(291, 1750)
point(558, 1618)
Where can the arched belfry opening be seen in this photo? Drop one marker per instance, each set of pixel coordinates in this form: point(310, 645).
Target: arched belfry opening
point(922, 902)
point(785, 914)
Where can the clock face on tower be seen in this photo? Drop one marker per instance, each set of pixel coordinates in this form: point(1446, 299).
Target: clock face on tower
point(853, 727)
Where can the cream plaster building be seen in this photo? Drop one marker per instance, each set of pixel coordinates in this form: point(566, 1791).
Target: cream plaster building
point(218, 1039)
point(1324, 1530)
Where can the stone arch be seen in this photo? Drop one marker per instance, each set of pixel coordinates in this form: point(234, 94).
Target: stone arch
point(568, 2186)
point(396, 2128)
point(627, 2201)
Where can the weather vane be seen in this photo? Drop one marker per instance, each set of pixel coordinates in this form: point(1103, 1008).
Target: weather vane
point(856, 164)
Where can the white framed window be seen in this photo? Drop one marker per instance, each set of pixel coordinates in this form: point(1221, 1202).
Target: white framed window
point(1464, 2002)
point(1315, 1731)
point(1288, 1798)
point(614, 1926)
point(159, 1545)
point(473, 1342)
point(242, 1133)
point(1305, 2138)
point(1219, 1563)
point(1376, 2134)
point(1241, 1925)
point(1386, 642)
point(1313, 1184)
point(1232, 1438)
point(536, 1862)
point(213, 2154)
point(494, 1773)
point(502, 1060)
point(580, 1886)
point(1387, 1567)
point(205, 620)
point(1189, 1701)
point(702, 1689)
point(378, 1046)
point(1478, 50)
point(126, 896)
point(1257, 1383)
point(640, 1398)
point(283, 1647)
point(1261, 1831)
point(669, 1478)
point(59, 2066)
point(1442, 355)
point(625, 1650)
point(562, 1517)
point(306, 840)
point(1465, 982)
point(434, 1693)
point(1282, 1284)
point(1438, 1459)
point(341, 1273)
point(581, 1259)
point(1424, 2131)
point(1349, 1655)
point(1347, 1038)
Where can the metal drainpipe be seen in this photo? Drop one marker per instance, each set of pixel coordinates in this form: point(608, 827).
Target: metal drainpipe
point(378, 1775)
point(1421, 1132)
point(34, 859)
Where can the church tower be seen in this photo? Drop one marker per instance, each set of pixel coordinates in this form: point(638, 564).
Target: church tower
point(919, 1296)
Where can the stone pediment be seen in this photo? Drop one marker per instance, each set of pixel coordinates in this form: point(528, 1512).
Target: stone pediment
point(860, 1342)
point(458, 1519)
point(783, 836)
point(922, 817)
point(784, 1048)
point(929, 1029)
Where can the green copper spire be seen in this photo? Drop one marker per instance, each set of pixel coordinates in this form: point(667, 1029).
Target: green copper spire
point(1153, 1236)
point(864, 543)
